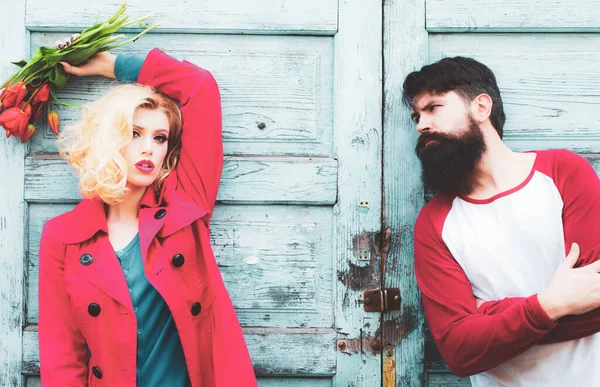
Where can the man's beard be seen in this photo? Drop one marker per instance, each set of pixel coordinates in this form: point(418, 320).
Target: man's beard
point(449, 163)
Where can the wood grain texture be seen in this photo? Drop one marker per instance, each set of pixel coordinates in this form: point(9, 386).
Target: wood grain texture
point(276, 262)
point(446, 379)
point(405, 50)
point(550, 85)
point(245, 180)
point(34, 381)
point(13, 209)
point(276, 92)
point(513, 15)
point(239, 16)
point(357, 122)
point(274, 352)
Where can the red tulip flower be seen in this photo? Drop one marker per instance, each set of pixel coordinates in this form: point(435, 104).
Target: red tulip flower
point(29, 131)
point(15, 120)
point(53, 121)
point(41, 95)
point(14, 95)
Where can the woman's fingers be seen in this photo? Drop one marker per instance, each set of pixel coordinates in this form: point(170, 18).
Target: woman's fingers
point(66, 42)
point(72, 69)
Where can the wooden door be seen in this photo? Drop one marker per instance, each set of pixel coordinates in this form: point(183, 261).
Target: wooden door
point(545, 56)
point(299, 207)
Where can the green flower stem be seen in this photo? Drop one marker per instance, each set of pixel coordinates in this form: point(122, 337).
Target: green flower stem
point(141, 19)
point(132, 39)
point(31, 76)
point(34, 93)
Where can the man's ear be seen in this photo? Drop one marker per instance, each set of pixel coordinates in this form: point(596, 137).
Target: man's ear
point(482, 107)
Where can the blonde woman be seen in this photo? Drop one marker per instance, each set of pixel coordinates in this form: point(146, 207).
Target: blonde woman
point(129, 290)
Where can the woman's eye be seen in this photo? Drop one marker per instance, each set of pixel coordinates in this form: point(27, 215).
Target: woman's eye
point(136, 133)
point(161, 139)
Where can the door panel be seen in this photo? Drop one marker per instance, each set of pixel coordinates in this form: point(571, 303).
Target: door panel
point(300, 198)
point(548, 80)
point(258, 16)
point(13, 37)
point(512, 16)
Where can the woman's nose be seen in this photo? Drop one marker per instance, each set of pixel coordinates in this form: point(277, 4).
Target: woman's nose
point(147, 146)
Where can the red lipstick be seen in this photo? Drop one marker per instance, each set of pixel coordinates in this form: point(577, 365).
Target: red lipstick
point(145, 166)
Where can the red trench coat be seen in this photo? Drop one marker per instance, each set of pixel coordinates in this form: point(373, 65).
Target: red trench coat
point(83, 296)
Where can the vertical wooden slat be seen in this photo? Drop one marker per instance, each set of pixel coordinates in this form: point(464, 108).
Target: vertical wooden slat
point(405, 50)
point(13, 47)
point(357, 122)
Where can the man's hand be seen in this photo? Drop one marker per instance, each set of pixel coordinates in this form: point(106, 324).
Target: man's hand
point(478, 302)
point(572, 291)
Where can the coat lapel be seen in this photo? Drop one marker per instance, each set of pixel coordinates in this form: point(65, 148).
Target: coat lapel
point(160, 215)
point(105, 272)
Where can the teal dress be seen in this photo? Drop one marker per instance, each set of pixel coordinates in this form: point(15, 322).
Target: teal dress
point(160, 358)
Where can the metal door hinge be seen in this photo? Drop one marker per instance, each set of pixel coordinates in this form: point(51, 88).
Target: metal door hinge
point(381, 300)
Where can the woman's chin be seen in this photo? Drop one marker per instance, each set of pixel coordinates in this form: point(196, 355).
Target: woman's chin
point(139, 183)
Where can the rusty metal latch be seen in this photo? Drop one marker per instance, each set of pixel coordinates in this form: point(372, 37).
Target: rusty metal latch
point(381, 300)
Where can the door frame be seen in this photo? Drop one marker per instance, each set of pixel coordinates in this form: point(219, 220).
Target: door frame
point(13, 210)
point(405, 49)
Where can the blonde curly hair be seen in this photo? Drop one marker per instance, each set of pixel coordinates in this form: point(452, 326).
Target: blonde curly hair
point(93, 146)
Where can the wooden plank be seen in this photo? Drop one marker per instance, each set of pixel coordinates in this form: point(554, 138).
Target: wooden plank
point(281, 352)
point(446, 379)
point(276, 91)
point(208, 16)
point(551, 95)
point(433, 359)
point(405, 50)
point(13, 46)
point(513, 16)
point(276, 262)
point(34, 381)
point(245, 180)
point(358, 130)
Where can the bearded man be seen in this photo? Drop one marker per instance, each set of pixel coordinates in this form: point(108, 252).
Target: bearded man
point(503, 303)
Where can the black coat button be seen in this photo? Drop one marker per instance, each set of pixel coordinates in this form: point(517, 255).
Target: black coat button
point(96, 371)
point(178, 260)
point(86, 259)
point(160, 214)
point(94, 309)
point(196, 309)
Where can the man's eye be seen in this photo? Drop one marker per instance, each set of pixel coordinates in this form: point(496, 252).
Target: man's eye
point(432, 107)
point(416, 120)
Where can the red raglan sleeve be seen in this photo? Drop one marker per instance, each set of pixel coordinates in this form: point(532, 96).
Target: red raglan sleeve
point(579, 186)
point(63, 350)
point(469, 342)
point(201, 158)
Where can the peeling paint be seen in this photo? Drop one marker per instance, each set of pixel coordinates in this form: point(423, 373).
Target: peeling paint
point(359, 277)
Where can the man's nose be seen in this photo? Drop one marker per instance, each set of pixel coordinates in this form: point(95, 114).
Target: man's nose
point(424, 125)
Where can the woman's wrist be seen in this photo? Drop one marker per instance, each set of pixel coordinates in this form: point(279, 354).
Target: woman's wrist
point(109, 67)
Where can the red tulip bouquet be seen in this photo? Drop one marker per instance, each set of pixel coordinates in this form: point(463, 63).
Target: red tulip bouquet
point(30, 91)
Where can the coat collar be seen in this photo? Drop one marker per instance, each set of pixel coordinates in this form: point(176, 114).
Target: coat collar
point(89, 216)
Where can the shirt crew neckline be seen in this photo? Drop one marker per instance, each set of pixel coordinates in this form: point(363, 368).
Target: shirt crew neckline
point(507, 192)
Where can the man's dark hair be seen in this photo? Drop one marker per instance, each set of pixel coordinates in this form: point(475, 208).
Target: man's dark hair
point(465, 76)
